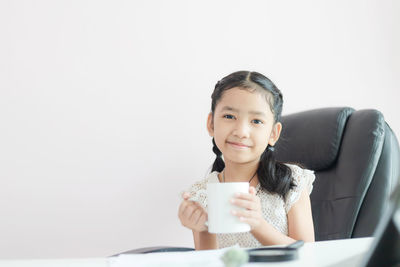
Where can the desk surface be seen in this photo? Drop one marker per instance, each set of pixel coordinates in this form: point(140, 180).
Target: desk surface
point(346, 252)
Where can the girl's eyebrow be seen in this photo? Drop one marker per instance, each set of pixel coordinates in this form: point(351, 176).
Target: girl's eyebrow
point(253, 112)
point(228, 108)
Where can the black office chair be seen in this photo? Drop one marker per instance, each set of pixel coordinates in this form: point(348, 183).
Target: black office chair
point(356, 160)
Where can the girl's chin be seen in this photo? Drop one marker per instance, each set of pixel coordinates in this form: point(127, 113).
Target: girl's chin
point(238, 160)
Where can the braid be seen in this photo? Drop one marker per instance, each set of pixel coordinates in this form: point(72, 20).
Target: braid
point(219, 163)
point(274, 176)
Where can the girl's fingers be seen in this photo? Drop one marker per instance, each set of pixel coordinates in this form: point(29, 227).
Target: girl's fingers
point(244, 213)
point(203, 218)
point(191, 211)
point(188, 211)
point(188, 204)
point(252, 190)
point(200, 224)
point(194, 217)
point(246, 196)
point(244, 204)
point(186, 195)
point(182, 207)
point(198, 205)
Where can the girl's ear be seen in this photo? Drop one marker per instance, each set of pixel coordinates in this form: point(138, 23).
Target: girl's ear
point(276, 132)
point(210, 124)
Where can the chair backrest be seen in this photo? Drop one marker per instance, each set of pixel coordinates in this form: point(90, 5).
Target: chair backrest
point(356, 159)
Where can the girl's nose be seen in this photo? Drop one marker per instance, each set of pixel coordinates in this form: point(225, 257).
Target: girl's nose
point(241, 130)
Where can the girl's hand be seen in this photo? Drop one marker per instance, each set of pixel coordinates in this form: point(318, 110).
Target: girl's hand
point(252, 205)
point(192, 215)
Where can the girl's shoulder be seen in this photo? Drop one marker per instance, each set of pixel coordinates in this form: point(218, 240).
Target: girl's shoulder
point(298, 172)
point(197, 190)
point(303, 179)
point(210, 178)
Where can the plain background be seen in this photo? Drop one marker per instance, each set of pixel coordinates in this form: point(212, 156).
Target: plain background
point(103, 104)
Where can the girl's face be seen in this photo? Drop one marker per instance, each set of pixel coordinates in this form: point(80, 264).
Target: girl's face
point(243, 125)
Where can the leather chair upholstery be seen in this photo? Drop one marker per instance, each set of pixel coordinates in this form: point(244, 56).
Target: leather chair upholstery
point(356, 159)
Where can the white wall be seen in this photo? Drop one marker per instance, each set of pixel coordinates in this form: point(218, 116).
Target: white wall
point(103, 104)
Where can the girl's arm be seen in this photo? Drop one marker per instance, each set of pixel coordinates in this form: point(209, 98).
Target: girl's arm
point(204, 240)
point(300, 224)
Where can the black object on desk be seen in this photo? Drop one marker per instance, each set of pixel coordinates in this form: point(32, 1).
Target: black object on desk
point(156, 249)
point(275, 254)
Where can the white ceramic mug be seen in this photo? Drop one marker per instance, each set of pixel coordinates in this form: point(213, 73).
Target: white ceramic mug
point(220, 218)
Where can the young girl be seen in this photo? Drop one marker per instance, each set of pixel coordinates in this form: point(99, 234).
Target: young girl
point(245, 125)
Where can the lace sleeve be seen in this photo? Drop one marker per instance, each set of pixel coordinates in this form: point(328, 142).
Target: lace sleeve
point(303, 179)
point(198, 193)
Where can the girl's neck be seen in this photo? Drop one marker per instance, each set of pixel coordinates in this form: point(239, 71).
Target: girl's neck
point(234, 172)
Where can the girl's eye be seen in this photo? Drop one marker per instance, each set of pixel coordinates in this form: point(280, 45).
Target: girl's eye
point(229, 116)
point(257, 121)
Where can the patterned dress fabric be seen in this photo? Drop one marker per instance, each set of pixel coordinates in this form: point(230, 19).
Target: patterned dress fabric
point(274, 207)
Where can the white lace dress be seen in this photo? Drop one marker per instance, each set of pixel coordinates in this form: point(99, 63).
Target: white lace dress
point(274, 207)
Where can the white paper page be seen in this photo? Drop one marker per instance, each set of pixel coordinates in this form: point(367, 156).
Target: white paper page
point(203, 258)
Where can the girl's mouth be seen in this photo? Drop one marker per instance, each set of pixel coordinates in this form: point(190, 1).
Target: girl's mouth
point(238, 145)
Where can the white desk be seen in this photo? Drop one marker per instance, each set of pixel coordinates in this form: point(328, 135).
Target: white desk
point(90, 262)
point(343, 253)
point(346, 252)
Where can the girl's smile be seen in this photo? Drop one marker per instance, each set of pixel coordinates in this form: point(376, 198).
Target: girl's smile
point(237, 145)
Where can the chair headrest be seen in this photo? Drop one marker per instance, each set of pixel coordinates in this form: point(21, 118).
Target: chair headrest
point(312, 138)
